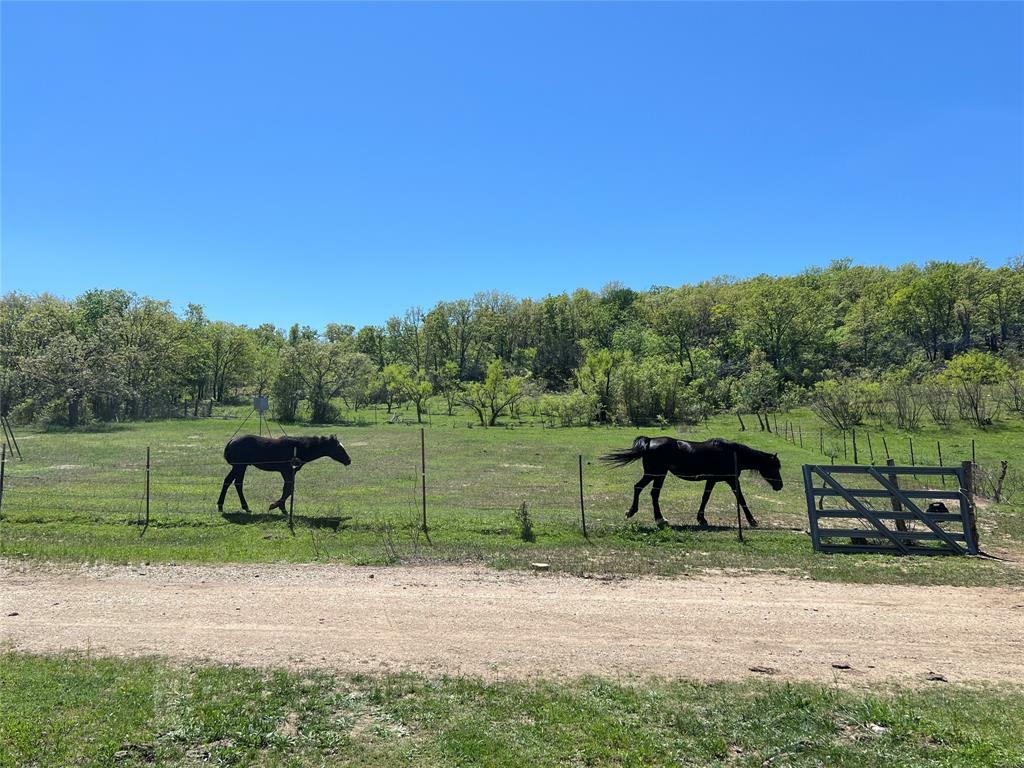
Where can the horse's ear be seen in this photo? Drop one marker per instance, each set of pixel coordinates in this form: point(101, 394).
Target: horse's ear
point(334, 438)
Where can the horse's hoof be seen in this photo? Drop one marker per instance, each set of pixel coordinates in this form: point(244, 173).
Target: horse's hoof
point(752, 523)
point(702, 522)
point(661, 522)
point(630, 513)
point(220, 507)
point(273, 506)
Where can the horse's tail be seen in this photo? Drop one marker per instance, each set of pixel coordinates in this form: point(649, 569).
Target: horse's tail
point(628, 456)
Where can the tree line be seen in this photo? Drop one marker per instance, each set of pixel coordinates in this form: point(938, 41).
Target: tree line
point(845, 338)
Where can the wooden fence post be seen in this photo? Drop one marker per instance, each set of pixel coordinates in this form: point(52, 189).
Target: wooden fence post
point(736, 474)
point(938, 446)
point(886, 446)
point(1004, 465)
point(291, 499)
point(968, 490)
point(901, 525)
point(423, 475)
point(854, 438)
point(871, 450)
point(583, 513)
point(3, 468)
point(147, 487)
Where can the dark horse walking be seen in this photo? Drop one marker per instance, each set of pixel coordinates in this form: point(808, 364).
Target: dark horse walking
point(276, 454)
point(713, 461)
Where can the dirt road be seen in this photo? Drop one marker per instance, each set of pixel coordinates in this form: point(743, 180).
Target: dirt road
point(473, 621)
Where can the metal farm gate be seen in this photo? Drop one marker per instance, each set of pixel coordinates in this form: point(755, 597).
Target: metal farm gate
point(859, 508)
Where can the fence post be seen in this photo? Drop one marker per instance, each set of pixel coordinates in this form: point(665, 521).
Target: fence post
point(801, 432)
point(775, 418)
point(913, 463)
point(967, 467)
point(886, 446)
point(974, 457)
point(9, 437)
point(901, 525)
point(736, 474)
point(871, 450)
point(854, 434)
point(821, 440)
point(147, 486)
point(3, 468)
point(845, 449)
point(1004, 465)
point(291, 499)
point(583, 514)
point(812, 518)
point(423, 475)
point(938, 445)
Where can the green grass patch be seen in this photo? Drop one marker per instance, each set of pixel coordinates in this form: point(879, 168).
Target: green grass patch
point(77, 497)
point(77, 710)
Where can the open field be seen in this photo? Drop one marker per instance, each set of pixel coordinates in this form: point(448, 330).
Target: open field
point(74, 495)
point(73, 709)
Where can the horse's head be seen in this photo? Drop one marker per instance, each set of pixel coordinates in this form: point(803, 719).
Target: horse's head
point(771, 470)
point(337, 451)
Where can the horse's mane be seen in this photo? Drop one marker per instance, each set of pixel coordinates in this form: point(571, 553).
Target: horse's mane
point(741, 449)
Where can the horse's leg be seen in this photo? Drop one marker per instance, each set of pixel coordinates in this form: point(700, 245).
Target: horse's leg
point(708, 486)
point(640, 485)
point(734, 483)
point(224, 489)
point(655, 493)
point(288, 475)
point(239, 478)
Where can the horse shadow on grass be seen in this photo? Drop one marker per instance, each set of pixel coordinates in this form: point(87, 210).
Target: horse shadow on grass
point(335, 523)
point(684, 528)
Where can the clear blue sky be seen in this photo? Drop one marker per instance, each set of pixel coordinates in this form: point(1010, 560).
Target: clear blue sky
point(339, 162)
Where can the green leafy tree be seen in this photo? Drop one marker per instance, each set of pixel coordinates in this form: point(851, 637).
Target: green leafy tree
point(599, 377)
point(493, 396)
point(973, 375)
point(287, 385)
point(447, 384)
point(418, 391)
point(392, 385)
point(757, 390)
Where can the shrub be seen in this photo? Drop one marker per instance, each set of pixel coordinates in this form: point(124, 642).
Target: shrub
point(938, 399)
point(525, 523)
point(972, 375)
point(903, 394)
point(839, 403)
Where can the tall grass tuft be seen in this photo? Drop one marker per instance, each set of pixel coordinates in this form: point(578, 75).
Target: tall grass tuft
point(525, 524)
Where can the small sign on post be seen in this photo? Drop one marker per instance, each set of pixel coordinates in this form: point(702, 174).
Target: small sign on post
point(261, 403)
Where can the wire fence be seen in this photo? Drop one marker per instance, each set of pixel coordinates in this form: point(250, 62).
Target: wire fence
point(469, 491)
point(385, 487)
point(998, 481)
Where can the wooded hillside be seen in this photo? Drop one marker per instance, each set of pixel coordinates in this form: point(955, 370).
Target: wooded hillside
point(670, 354)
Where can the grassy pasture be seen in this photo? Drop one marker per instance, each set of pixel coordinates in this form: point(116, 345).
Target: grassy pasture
point(75, 710)
point(74, 495)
